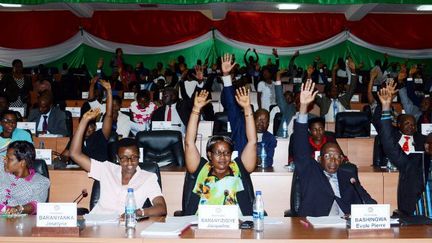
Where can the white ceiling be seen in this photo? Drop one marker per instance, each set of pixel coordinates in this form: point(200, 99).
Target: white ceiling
point(218, 10)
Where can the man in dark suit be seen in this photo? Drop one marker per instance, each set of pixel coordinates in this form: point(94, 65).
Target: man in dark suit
point(173, 109)
point(411, 168)
point(325, 189)
point(48, 118)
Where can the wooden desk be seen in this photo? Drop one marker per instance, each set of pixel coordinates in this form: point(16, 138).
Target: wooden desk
point(56, 144)
point(291, 230)
point(275, 184)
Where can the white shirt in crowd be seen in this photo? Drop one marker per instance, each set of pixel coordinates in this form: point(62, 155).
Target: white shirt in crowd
point(267, 91)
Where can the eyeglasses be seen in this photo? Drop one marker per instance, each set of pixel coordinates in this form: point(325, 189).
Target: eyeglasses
point(221, 153)
point(125, 159)
point(8, 121)
point(333, 156)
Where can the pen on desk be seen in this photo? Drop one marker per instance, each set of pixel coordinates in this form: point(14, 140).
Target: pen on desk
point(304, 223)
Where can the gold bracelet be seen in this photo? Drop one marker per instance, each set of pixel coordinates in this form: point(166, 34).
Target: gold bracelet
point(195, 112)
point(248, 115)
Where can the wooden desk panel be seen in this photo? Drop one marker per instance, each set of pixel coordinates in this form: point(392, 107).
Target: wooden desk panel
point(66, 185)
point(360, 151)
point(390, 188)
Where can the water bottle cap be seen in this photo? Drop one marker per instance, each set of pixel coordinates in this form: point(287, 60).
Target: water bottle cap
point(130, 190)
point(258, 193)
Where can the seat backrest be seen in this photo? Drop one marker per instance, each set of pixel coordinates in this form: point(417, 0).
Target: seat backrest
point(352, 124)
point(276, 122)
point(161, 146)
point(220, 126)
point(150, 167)
point(69, 123)
point(41, 167)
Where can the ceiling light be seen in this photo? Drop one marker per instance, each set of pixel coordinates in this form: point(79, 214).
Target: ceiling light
point(10, 5)
point(288, 6)
point(424, 8)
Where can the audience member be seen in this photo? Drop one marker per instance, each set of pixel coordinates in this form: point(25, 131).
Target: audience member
point(221, 180)
point(142, 110)
point(21, 188)
point(9, 131)
point(265, 138)
point(115, 179)
point(49, 119)
point(337, 190)
point(121, 122)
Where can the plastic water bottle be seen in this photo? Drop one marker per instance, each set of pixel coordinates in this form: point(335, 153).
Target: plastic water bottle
point(263, 156)
point(130, 209)
point(41, 145)
point(258, 212)
point(284, 129)
point(390, 165)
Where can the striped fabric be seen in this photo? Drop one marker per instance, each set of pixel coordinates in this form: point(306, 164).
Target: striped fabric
point(424, 205)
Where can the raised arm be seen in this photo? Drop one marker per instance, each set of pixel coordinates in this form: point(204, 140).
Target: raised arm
point(248, 156)
point(291, 62)
point(373, 76)
point(245, 57)
point(256, 55)
point(192, 155)
point(93, 82)
point(302, 149)
point(354, 80)
point(107, 121)
point(77, 140)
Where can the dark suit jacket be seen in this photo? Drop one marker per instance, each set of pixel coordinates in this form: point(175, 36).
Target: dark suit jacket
point(411, 183)
point(56, 120)
point(317, 195)
point(183, 108)
point(207, 111)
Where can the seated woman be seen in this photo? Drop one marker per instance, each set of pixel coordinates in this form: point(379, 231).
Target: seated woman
point(21, 188)
point(116, 179)
point(142, 110)
point(221, 180)
point(9, 133)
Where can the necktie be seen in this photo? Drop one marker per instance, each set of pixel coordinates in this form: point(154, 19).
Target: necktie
point(45, 123)
point(335, 108)
point(334, 210)
point(405, 146)
point(169, 114)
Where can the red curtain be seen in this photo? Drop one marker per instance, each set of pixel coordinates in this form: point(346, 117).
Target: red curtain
point(402, 31)
point(148, 28)
point(27, 30)
point(274, 29)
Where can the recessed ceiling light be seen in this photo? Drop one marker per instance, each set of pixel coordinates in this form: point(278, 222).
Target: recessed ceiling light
point(288, 6)
point(424, 8)
point(10, 5)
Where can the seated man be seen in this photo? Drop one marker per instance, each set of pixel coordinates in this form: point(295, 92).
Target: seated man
point(332, 103)
point(411, 179)
point(116, 179)
point(325, 189)
point(173, 109)
point(317, 137)
point(95, 143)
point(264, 137)
point(49, 119)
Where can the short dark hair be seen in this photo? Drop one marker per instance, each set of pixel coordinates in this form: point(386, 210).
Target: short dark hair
point(316, 120)
point(328, 144)
point(8, 112)
point(263, 111)
point(145, 94)
point(117, 98)
point(46, 95)
point(215, 139)
point(404, 116)
point(126, 142)
point(16, 61)
point(24, 150)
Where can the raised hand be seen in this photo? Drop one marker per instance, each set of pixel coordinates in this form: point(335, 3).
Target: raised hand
point(94, 80)
point(199, 73)
point(279, 74)
point(91, 114)
point(100, 63)
point(200, 99)
point(373, 74)
point(226, 64)
point(385, 97)
point(391, 87)
point(274, 52)
point(413, 70)
point(310, 69)
point(242, 97)
point(105, 84)
point(297, 53)
point(307, 94)
point(351, 65)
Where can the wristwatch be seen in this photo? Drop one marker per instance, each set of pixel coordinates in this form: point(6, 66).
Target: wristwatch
point(20, 209)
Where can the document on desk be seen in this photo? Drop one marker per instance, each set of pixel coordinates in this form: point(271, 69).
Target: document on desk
point(165, 229)
point(327, 222)
point(191, 219)
point(99, 219)
point(267, 220)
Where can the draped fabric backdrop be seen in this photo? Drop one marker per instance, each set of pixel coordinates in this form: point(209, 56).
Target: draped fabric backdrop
point(54, 37)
